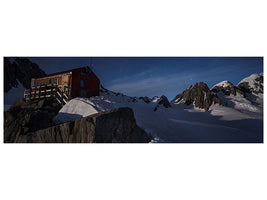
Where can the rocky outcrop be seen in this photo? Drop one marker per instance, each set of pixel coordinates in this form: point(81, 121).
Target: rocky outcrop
point(23, 118)
point(114, 126)
point(20, 69)
point(227, 88)
point(163, 101)
point(10, 79)
point(199, 95)
point(145, 99)
point(252, 84)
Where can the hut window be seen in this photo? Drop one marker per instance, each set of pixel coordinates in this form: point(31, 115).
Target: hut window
point(83, 73)
point(82, 83)
point(54, 81)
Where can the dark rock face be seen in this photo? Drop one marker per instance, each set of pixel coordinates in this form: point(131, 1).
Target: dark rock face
point(21, 69)
point(114, 126)
point(256, 88)
point(10, 70)
point(227, 90)
point(200, 95)
point(22, 118)
point(145, 99)
point(244, 87)
point(164, 102)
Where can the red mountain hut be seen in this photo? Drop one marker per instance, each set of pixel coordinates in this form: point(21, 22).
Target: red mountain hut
point(80, 82)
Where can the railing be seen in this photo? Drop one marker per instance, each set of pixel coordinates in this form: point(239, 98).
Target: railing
point(48, 91)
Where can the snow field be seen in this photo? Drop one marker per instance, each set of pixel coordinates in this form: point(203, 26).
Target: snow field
point(179, 123)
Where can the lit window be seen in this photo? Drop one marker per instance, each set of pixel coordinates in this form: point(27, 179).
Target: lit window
point(82, 83)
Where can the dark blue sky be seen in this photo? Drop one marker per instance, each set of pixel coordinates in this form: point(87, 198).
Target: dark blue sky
point(154, 76)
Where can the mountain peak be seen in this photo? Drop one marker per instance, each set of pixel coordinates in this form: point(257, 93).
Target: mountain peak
point(252, 83)
point(199, 94)
point(163, 100)
point(227, 88)
point(223, 84)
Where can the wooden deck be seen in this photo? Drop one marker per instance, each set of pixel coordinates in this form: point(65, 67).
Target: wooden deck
point(48, 91)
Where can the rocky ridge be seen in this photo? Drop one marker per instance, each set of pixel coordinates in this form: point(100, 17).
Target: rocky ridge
point(23, 118)
point(227, 88)
point(203, 97)
point(162, 101)
point(113, 126)
point(200, 95)
point(20, 69)
point(252, 84)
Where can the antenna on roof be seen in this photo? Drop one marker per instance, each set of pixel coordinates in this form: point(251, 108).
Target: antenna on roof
point(91, 63)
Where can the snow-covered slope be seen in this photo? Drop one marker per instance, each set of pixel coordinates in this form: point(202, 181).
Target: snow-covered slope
point(245, 99)
point(223, 84)
point(179, 123)
point(237, 107)
point(253, 83)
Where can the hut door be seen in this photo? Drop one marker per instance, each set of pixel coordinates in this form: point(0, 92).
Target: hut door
point(66, 83)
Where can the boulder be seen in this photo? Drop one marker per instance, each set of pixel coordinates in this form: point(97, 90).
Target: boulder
point(24, 117)
point(113, 126)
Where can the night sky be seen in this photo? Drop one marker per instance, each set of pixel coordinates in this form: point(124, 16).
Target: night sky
point(154, 76)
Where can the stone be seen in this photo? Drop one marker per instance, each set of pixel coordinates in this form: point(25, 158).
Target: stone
point(114, 126)
point(24, 117)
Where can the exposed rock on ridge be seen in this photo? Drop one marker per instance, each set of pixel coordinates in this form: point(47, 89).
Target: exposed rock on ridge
point(114, 126)
point(227, 88)
point(145, 99)
point(200, 95)
point(23, 118)
point(20, 69)
point(163, 101)
point(252, 84)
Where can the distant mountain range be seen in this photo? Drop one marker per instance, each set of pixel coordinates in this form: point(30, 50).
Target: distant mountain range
point(203, 97)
